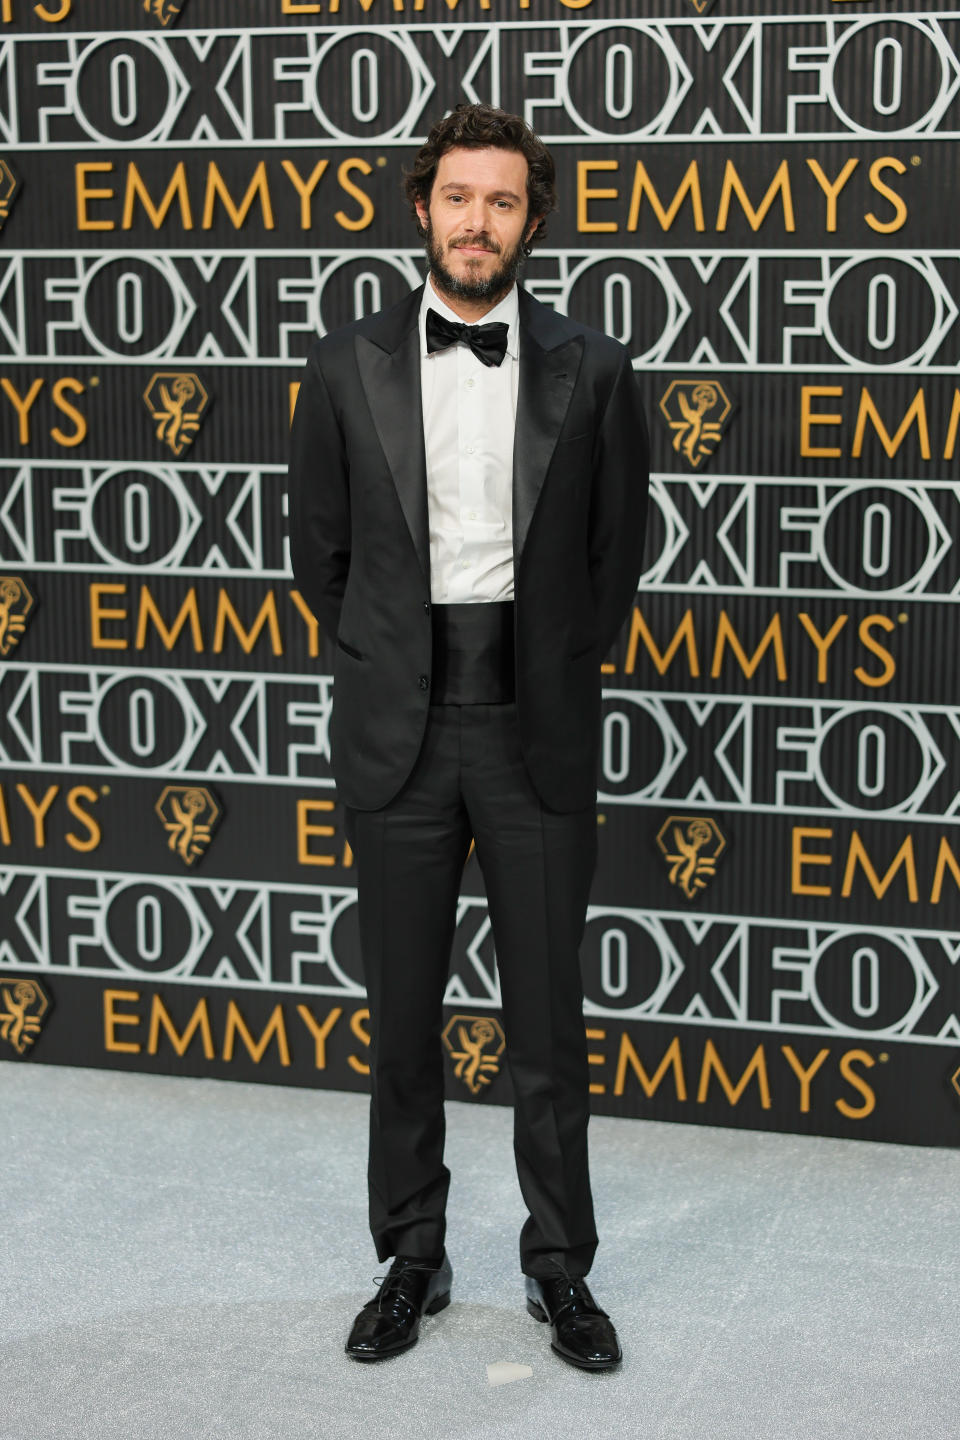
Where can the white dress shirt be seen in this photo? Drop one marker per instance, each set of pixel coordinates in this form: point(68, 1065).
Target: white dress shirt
point(469, 417)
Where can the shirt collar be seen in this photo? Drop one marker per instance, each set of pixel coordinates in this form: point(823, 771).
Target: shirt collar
point(506, 310)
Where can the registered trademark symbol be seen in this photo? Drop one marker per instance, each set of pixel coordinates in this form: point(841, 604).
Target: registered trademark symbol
point(601, 819)
point(94, 379)
point(104, 789)
point(914, 159)
point(903, 618)
point(883, 1058)
point(382, 160)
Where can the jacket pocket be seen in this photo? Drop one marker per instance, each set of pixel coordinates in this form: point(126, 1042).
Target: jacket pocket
point(348, 650)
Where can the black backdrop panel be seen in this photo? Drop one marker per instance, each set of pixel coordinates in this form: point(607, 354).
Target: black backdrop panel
point(761, 208)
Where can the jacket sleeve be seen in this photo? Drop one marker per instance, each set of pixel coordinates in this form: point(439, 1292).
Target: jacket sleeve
point(319, 501)
point(618, 508)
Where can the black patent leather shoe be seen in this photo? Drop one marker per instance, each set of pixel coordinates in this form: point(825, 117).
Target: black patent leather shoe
point(580, 1332)
point(390, 1322)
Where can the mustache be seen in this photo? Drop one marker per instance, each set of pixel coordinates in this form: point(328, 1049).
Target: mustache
point(481, 241)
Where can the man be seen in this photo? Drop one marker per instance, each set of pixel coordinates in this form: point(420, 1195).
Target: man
point(466, 519)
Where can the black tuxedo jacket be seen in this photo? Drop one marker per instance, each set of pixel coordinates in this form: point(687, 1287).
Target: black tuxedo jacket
point(359, 541)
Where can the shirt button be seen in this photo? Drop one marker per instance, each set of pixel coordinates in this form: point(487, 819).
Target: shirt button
point(469, 384)
point(472, 515)
point(470, 449)
point(424, 682)
point(464, 564)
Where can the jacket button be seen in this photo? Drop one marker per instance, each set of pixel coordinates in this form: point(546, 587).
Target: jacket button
point(424, 682)
point(426, 607)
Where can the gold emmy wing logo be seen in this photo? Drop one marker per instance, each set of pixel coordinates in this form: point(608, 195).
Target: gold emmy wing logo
point(955, 1082)
point(691, 846)
point(163, 10)
point(701, 6)
point(177, 401)
point(16, 602)
point(696, 411)
point(189, 814)
point(476, 1043)
point(9, 186)
point(23, 1005)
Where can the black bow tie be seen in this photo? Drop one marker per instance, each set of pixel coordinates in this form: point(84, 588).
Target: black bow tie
point(488, 342)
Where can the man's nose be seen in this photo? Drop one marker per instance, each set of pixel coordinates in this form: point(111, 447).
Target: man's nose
point(475, 217)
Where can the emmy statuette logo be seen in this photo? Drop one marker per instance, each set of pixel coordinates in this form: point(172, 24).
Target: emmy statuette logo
point(177, 401)
point(16, 603)
point(163, 11)
point(476, 1043)
point(23, 1007)
point(189, 814)
point(697, 412)
point(955, 1081)
point(9, 188)
point(691, 846)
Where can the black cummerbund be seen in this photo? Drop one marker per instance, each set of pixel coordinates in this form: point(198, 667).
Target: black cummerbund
point(473, 654)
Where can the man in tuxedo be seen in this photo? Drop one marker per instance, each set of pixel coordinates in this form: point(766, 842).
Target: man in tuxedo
point(467, 507)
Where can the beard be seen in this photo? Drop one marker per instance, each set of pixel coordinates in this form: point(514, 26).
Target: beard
point(493, 287)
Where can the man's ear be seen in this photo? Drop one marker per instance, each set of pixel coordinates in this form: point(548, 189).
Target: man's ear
point(531, 228)
point(423, 215)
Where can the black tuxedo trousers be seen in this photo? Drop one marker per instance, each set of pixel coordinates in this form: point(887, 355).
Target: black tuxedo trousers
point(470, 781)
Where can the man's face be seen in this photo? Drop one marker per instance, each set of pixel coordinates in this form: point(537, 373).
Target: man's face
point(477, 222)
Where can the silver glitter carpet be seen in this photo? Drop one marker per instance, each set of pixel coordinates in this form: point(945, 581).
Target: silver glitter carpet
point(182, 1260)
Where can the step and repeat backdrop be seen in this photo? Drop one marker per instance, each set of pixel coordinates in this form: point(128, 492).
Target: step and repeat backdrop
point(763, 208)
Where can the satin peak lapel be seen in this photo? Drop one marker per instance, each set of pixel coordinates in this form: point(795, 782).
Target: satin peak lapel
point(547, 378)
point(391, 380)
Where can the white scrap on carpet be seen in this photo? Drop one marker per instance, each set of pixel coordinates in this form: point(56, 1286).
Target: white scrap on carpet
point(503, 1372)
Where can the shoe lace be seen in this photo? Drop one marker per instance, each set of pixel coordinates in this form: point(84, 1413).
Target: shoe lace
point(573, 1282)
point(577, 1293)
point(394, 1292)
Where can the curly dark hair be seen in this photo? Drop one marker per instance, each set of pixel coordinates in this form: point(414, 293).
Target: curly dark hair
point(484, 127)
